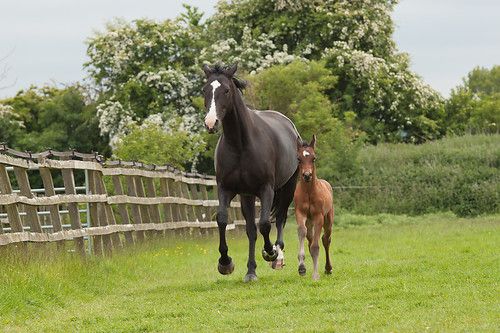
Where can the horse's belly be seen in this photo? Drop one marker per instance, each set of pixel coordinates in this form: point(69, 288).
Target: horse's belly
point(241, 181)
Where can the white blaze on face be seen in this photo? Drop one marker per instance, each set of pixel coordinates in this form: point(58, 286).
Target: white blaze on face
point(305, 153)
point(211, 116)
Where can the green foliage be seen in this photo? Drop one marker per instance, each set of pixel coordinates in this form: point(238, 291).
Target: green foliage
point(172, 284)
point(153, 144)
point(458, 174)
point(48, 117)
point(474, 106)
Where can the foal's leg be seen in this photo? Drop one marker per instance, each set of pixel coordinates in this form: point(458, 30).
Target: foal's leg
point(226, 265)
point(302, 232)
point(266, 200)
point(327, 238)
point(314, 248)
point(248, 210)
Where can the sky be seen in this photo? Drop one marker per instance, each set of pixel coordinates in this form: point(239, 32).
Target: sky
point(43, 41)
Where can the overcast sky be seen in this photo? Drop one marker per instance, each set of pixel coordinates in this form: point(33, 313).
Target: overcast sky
point(44, 40)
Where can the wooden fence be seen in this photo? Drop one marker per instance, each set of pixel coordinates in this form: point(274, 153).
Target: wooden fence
point(122, 203)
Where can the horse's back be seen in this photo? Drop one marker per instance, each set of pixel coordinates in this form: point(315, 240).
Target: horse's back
point(285, 136)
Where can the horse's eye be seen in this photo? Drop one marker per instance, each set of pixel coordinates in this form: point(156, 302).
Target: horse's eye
point(226, 91)
point(314, 159)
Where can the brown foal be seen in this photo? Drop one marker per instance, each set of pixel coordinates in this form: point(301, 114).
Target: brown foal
point(313, 200)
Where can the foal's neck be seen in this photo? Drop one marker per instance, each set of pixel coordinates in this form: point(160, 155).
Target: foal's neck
point(236, 124)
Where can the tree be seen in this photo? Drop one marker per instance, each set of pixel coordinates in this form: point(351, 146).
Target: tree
point(474, 106)
point(50, 117)
point(144, 68)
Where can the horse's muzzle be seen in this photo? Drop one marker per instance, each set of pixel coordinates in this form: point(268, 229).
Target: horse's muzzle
point(212, 129)
point(307, 176)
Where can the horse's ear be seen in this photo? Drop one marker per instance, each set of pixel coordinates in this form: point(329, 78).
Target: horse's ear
point(299, 143)
point(313, 141)
point(208, 71)
point(229, 71)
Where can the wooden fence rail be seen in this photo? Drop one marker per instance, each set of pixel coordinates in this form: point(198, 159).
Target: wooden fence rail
point(123, 203)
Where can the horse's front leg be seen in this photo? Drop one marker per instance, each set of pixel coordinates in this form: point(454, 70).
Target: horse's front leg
point(266, 201)
point(226, 265)
point(248, 210)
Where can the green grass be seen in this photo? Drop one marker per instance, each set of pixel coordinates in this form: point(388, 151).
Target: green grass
point(432, 273)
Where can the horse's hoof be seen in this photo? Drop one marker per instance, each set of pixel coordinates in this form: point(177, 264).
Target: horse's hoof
point(250, 278)
point(269, 257)
point(277, 264)
point(226, 269)
point(328, 271)
point(302, 270)
point(315, 277)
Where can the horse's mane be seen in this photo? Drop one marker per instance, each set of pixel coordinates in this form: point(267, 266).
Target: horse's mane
point(239, 83)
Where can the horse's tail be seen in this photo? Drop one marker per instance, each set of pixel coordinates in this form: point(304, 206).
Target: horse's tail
point(283, 198)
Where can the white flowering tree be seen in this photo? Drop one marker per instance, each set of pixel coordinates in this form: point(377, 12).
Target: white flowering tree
point(389, 101)
point(144, 68)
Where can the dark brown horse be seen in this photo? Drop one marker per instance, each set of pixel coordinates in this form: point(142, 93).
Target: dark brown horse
point(255, 157)
point(313, 209)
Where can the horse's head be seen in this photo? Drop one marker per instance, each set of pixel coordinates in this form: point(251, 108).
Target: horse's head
point(306, 157)
point(219, 91)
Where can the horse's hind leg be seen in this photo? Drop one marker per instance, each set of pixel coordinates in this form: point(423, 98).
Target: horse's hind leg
point(266, 200)
point(314, 248)
point(327, 239)
point(248, 210)
point(284, 199)
point(225, 265)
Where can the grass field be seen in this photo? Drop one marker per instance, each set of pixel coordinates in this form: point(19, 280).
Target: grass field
point(433, 273)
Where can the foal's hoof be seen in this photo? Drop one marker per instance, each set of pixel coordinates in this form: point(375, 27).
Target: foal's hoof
point(269, 257)
point(302, 270)
point(226, 269)
point(250, 278)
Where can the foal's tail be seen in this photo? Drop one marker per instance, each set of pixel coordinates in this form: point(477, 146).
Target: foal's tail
point(283, 198)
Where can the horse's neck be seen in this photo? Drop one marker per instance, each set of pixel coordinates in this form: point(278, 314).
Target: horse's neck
point(237, 123)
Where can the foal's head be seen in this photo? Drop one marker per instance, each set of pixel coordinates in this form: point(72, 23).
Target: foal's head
point(219, 91)
point(306, 157)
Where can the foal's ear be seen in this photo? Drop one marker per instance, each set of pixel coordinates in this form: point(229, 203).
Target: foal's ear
point(299, 143)
point(229, 71)
point(313, 141)
point(208, 71)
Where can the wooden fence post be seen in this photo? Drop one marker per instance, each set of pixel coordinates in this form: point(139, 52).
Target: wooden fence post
point(106, 215)
point(136, 214)
point(15, 222)
point(146, 218)
point(25, 190)
point(154, 210)
point(55, 218)
point(122, 209)
point(94, 215)
point(167, 208)
point(74, 214)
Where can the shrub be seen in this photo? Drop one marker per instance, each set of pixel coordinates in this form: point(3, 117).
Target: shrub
point(459, 174)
